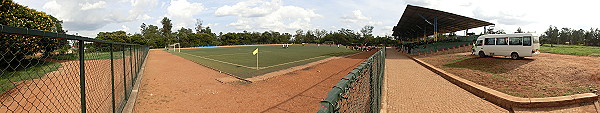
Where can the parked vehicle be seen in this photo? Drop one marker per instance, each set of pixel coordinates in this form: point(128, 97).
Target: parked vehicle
point(517, 46)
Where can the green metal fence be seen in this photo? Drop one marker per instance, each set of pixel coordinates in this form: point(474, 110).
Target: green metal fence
point(360, 90)
point(65, 73)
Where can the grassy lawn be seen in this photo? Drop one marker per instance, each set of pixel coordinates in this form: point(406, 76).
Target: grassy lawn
point(239, 61)
point(35, 70)
point(90, 56)
point(571, 50)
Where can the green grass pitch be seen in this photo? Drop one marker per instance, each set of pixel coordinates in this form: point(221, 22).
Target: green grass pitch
point(240, 62)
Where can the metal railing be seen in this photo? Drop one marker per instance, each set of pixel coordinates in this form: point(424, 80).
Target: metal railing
point(65, 73)
point(360, 90)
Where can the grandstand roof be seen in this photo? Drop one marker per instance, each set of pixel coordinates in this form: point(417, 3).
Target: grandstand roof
point(418, 20)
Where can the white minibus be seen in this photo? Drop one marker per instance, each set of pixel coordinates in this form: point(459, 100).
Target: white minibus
point(516, 46)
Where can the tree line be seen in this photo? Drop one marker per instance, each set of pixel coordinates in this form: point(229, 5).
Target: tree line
point(14, 48)
point(159, 37)
point(569, 36)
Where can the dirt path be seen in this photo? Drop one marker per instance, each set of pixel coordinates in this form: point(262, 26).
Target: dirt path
point(174, 84)
point(411, 88)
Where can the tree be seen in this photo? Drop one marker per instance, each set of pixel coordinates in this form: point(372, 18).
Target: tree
point(366, 33)
point(550, 36)
point(199, 25)
point(230, 39)
point(490, 30)
point(320, 33)
point(153, 36)
point(310, 37)
point(138, 39)
point(564, 36)
point(299, 36)
point(184, 39)
point(519, 30)
point(117, 36)
point(14, 47)
point(561, 36)
point(166, 29)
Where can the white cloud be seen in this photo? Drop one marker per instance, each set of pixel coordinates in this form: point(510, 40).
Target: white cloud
point(91, 15)
point(181, 13)
point(140, 8)
point(212, 25)
point(124, 28)
point(143, 17)
point(88, 6)
point(251, 8)
point(257, 15)
point(358, 18)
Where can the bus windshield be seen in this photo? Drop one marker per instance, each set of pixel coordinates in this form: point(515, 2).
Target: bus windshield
point(479, 43)
point(536, 40)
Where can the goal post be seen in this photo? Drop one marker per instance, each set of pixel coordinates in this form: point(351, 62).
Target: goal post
point(175, 47)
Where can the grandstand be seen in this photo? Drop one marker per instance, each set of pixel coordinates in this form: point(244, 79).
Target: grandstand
point(444, 44)
point(419, 28)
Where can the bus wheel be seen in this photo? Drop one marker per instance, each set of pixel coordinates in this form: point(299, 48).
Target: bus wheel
point(514, 56)
point(481, 54)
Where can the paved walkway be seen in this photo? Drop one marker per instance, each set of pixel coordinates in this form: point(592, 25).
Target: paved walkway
point(412, 88)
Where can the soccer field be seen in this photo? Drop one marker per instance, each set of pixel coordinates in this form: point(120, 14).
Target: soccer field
point(240, 62)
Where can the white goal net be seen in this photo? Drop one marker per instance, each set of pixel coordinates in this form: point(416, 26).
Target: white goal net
point(174, 47)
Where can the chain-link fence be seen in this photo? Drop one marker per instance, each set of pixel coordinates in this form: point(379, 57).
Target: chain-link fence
point(360, 90)
point(49, 72)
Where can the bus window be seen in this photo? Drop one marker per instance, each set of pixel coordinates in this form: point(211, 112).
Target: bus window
point(527, 41)
point(479, 43)
point(515, 41)
point(501, 41)
point(490, 41)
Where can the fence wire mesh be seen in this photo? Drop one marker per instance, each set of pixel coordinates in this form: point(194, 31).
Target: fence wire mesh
point(360, 90)
point(65, 73)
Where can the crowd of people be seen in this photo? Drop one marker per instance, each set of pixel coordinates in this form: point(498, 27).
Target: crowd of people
point(362, 48)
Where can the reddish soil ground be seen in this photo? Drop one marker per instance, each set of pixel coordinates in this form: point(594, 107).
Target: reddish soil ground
point(59, 91)
point(174, 84)
point(545, 75)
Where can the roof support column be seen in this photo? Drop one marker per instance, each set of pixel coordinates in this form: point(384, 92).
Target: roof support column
point(424, 30)
point(435, 29)
point(425, 34)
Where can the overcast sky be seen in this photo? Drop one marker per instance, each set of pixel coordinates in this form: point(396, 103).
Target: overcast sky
point(88, 17)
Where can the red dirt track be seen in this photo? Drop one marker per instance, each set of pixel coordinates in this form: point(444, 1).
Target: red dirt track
point(174, 84)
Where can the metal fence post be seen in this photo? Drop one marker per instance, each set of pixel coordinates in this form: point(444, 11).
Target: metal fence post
point(112, 78)
point(124, 74)
point(48, 91)
point(137, 61)
point(131, 66)
point(82, 75)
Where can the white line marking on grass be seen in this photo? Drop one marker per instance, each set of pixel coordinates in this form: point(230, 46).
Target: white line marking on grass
point(232, 54)
point(254, 67)
point(220, 61)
